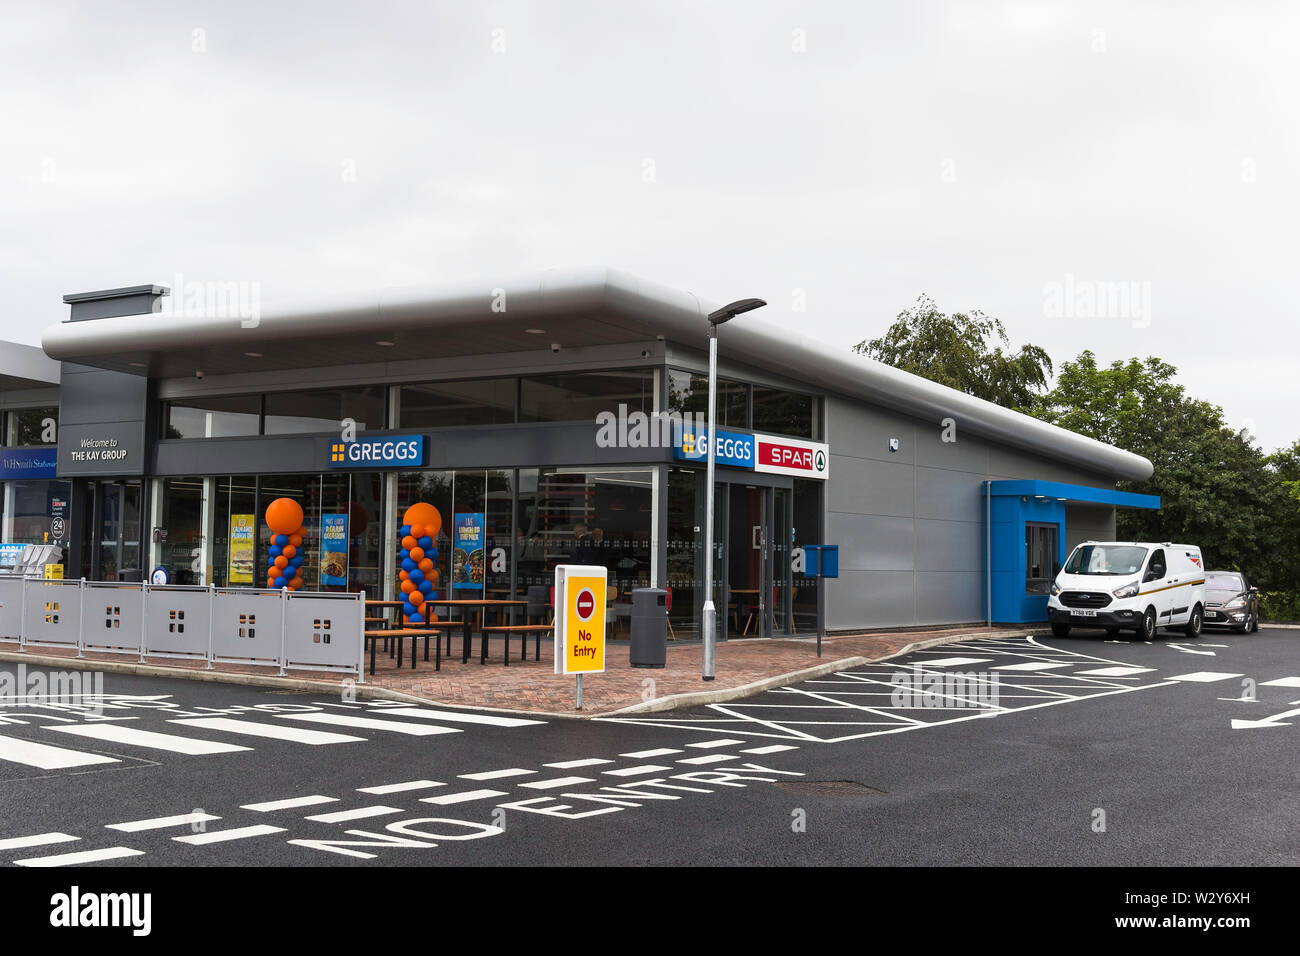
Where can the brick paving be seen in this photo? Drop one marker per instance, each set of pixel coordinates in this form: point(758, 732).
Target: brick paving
point(531, 686)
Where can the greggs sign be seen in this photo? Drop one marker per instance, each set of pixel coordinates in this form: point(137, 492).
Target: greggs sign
point(791, 456)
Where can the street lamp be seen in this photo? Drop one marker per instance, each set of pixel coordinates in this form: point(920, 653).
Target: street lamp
point(710, 622)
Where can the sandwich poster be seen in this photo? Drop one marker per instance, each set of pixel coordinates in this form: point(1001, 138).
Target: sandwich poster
point(467, 551)
point(333, 550)
point(241, 549)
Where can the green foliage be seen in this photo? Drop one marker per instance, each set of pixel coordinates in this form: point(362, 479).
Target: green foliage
point(968, 352)
point(1283, 606)
point(1217, 488)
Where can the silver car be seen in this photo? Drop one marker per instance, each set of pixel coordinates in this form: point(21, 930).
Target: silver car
point(1230, 601)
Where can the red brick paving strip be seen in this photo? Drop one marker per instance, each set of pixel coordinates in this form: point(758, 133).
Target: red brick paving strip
point(531, 686)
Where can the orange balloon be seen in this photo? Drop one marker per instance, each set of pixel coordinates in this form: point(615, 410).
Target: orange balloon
point(417, 554)
point(284, 516)
point(270, 582)
point(408, 586)
point(409, 542)
point(416, 597)
point(295, 539)
point(295, 584)
point(404, 575)
point(417, 530)
point(281, 562)
point(289, 551)
point(432, 575)
point(426, 565)
point(423, 513)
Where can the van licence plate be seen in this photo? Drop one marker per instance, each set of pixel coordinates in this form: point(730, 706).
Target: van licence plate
point(1080, 612)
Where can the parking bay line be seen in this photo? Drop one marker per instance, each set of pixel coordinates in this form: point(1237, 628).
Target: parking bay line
point(47, 757)
point(162, 823)
point(83, 856)
point(36, 839)
point(223, 836)
point(371, 723)
point(149, 739)
point(460, 717)
point(465, 796)
point(253, 728)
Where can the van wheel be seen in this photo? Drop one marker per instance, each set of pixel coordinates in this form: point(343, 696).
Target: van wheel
point(1147, 632)
point(1060, 630)
point(1193, 628)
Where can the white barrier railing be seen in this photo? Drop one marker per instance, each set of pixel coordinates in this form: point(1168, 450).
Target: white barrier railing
point(305, 630)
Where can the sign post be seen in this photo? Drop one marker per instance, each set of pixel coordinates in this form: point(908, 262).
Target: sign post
point(822, 560)
point(580, 621)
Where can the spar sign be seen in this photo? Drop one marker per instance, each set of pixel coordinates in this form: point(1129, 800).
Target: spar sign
point(579, 619)
point(791, 456)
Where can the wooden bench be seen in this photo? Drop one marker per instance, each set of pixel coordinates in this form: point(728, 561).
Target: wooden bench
point(525, 629)
point(414, 633)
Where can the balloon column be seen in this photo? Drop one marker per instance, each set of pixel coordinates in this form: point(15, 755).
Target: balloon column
point(418, 576)
point(284, 518)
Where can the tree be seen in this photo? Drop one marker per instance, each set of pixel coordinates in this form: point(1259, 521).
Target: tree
point(1217, 488)
point(968, 352)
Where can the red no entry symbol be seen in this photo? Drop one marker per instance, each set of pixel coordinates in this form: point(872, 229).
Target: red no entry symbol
point(585, 605)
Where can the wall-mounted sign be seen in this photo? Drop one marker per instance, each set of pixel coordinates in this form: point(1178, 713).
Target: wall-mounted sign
point(734, 449)
point(160, 575)
point(333, 550)
point(467, 556)
point(9, 554)
point(385, 451)
point(791, 456)
point(240, 570)
point(106, 448)
point(17, 463)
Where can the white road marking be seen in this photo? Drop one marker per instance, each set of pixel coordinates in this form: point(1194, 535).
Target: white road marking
point(462, 717)
point(161, 823)
point(222, 836)
point(289, 804)
point(371, 723)
point(957, 661)
point(570, 764)
point(556, 782)
point(1202, 677)
point(1274, 721)
point(1031, 666)
point(661, 752)
point(341, 816)
point(301, 735)
point(709, 758)
point(401, 787)
point(773, 749)
point(1115, 671)
point(497, 774)
point(463, 797)
point(708, 744)
point(85, 856)
point(38, 839)
point(150, 739)
point(1282, 682)
point(636, 771)
point(1190, 650)
point(47, 757)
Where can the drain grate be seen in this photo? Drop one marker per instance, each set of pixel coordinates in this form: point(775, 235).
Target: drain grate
point(829, 788)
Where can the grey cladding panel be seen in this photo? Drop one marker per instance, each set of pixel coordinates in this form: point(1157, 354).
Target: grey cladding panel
point(864, 431)
point(954, 495)
point(868, 486)
point(949, 545)
point(949, 597)
point(870, 542)
point(96, 396)
point(867, 599)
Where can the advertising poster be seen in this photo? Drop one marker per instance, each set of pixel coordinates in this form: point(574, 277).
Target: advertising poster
point(333, 550)
point(241, 548)
point(467, 551)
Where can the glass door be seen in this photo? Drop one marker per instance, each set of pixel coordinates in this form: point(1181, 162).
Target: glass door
point(782, 548)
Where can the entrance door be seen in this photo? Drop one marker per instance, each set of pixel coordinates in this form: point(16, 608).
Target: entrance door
point(116, 530)
point(755, 525)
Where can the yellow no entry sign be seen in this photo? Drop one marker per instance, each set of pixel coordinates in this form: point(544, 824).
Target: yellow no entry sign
point(580, 619)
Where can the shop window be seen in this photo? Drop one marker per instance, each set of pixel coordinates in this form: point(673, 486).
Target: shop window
point(225, 416)
point(32, 426)
point(234, 534)
point(785, 413)
point(28, 506)
point(449, 404)
point(688, 393)
point(1040, 557)
point(179, 536)
point(581, 396)
point(291, 413)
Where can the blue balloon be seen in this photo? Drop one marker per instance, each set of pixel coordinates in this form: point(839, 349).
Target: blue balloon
point(282, 539)
point(409, 565)
point(404, 530)
point(279, 583)
point(404, 554)
point(290, 572)
point(426, 587)
point(295, 561)
point(431, 596)
point(416, 618)
point(432, 553)
point(408, 608)
point(274, 551)
point(426, 542)
point(417, 576)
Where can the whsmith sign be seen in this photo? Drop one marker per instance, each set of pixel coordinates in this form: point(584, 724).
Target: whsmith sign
point(386, 451)
point(772, 454)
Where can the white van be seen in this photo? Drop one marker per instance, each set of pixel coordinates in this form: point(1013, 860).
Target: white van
point(1129, 585)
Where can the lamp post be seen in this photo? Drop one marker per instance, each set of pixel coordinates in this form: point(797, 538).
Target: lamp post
point(710, 621)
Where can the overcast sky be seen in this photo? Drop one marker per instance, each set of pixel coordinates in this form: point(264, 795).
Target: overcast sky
point(1009, 157)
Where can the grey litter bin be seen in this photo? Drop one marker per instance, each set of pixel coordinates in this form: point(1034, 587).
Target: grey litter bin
point(649, 627)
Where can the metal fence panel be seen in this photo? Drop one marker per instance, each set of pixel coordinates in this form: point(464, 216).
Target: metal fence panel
point(178, 620)
point(247, 625)
point(11, 607)
point(113, 617)
point(51, 613)
point(323, 631)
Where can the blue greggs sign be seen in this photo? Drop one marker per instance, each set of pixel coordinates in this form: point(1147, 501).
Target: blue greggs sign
point(386, 451)
point(733, 449)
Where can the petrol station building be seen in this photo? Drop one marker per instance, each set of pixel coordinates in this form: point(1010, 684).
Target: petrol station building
point(551, 418)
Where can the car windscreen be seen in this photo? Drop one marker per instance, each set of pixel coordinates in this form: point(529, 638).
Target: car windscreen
point(1112, 559)
point(1221, 581)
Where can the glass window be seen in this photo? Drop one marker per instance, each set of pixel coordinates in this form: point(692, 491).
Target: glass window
point(234, 539)
point(28, 507)
point(500, 549)
point(32, 426)
point(447, 404)
point(306, 490)
point(1040, 557)
point(290, 413)
point(688, 393)
point(436, 488)
point(220, 417)
point(685, 568)
point(581, 396)
point(786, 413)
point(807, 530)
point(1108, 559)
point(181, 551)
